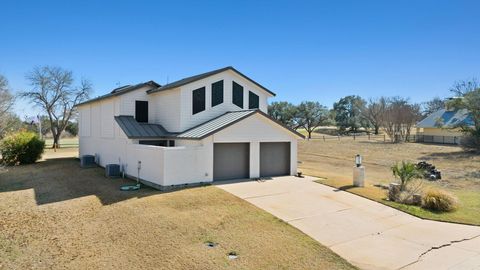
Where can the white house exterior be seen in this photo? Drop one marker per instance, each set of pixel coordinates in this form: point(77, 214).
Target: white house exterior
point(213, 126)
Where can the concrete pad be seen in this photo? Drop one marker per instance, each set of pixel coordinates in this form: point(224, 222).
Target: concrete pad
point(469, 264)
point(368, 234)
point(471, 245)
point(339, 227)
point(292, 206)
point(379, 252)
point(444, 258)
point(433, 233)
point(248, 189)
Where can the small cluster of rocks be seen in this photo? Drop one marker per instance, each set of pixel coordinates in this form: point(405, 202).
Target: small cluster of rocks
point(431, 173)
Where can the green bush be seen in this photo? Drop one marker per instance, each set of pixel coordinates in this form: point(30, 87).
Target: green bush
point(439, 200)
point(21, 148)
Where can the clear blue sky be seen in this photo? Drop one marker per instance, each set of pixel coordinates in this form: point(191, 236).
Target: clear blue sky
point(319, 50)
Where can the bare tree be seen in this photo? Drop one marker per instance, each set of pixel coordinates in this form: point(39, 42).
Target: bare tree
point(7, 118)
point(53, 90)
point(374, 112)
point(433, 105)
point(460, 88)
point(399, 118)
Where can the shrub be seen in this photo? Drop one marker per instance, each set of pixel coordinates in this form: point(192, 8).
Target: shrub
point(21, 148)
point(470, 142)
point(439, 200)
point(406, 171)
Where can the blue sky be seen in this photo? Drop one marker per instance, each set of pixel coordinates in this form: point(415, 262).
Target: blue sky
point(318, 50)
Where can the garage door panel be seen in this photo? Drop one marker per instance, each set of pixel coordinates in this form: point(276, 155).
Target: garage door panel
point(274, 158)
point(231, 161)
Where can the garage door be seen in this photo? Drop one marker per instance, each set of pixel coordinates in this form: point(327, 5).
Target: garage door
point(231, 161)
point(274, 158)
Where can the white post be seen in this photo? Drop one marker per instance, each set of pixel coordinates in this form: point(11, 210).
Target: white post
point(359, 176)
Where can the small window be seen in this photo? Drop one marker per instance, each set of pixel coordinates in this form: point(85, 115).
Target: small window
point(171, 143)
point(252, 100)
point(217, 93)
point(237, 94)
point(198, 100)
point(141, 111)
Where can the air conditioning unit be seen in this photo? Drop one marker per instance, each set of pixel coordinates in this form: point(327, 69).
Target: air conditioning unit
point(112, 170)
point(87, 161)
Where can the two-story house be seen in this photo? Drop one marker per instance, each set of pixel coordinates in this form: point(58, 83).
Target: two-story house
point(208, 127)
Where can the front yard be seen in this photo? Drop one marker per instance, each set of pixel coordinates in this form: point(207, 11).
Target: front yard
point(333, 160)
point(57, 215)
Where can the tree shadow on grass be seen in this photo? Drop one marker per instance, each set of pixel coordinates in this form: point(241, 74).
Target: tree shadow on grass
point(449, 155)
point(60, 179)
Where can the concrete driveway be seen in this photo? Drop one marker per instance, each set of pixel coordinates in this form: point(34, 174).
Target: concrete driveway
point(368, 234)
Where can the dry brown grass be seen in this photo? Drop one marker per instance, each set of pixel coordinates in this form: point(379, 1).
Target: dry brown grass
point(333, 160)
point(57, 215)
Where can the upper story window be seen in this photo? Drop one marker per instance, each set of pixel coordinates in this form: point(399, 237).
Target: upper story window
point(141, 111)
point(252, 100)
point(237, 94)
point(217, 93)
point(198, 100)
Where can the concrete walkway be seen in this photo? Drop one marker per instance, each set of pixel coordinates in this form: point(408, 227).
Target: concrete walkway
point(368, 234)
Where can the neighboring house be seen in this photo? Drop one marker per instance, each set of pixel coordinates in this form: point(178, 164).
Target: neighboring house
point(212, 126)
point(442, 126)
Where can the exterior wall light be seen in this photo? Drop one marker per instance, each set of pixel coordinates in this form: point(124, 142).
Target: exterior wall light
point(358, 160)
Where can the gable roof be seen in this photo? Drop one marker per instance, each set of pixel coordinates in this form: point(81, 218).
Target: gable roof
point(136, 130)
point(191, 79)
point(223, 121)
point(121, 90)
point(446, 119)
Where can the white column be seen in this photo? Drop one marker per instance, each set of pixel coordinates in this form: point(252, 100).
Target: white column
point(254, 159)
point(293, 157)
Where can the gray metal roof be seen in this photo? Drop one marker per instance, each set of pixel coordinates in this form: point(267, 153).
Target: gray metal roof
point(121, 90)
point(201, 76)
point(136, 130)
point(215, 125)
point(446, 119)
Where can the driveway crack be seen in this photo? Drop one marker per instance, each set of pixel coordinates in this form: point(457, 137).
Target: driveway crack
point(438, 247)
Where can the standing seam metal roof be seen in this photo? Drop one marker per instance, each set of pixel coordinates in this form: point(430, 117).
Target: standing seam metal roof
point(201, 76)
point(215, 124)
point(447, 119)
point(134, 129)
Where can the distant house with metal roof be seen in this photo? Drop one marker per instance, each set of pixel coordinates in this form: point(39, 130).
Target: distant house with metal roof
point(203, 128)
point(443, 126)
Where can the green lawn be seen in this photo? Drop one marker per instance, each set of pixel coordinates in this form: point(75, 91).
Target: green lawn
point(467, 212)
point(64, 142)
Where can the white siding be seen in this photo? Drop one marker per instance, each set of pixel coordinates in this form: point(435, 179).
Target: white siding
point(256, 129)
point(127, 103)
point(188, 120)
point(164, 109)
point(106, 117)
point(84, 120)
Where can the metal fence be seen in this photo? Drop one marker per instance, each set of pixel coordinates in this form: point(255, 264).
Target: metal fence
point(412, 138)
point(434, 139)
point(353, 137)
